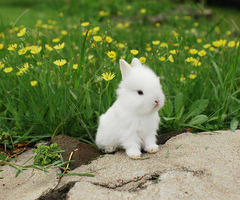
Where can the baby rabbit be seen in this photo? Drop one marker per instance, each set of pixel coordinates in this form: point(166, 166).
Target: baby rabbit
point(132, 121)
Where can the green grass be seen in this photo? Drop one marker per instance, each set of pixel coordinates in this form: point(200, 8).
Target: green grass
point(70, 101)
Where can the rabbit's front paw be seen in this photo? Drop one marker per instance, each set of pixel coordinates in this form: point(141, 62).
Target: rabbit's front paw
point(152, 149)
point(110, 149)
point(133, 153)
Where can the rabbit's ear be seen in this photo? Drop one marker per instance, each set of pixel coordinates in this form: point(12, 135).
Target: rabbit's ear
point(125, 68)
point(135, 62)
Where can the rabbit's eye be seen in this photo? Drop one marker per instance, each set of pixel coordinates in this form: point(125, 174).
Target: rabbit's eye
point(140, 92)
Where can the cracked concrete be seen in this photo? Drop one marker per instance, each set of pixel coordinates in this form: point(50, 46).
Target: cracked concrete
point(30, 184)
point(188, 166)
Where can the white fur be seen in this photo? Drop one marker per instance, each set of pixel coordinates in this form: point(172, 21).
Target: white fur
point(132, 121)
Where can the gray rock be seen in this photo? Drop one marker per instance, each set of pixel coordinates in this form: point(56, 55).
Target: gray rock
point(188, 166)
point(198, 166)
point(30, 184)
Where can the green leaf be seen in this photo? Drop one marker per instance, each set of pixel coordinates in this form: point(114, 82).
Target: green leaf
point(178, 102)
point(168, 118)
point(198, 120)
point(2, 157)
point(18, 172)
point(197, 108)
point(234, 124)
point(220, 79)
point(167, 154)
point(168, 108)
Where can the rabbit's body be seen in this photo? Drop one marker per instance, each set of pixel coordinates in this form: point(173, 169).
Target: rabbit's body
point(132, 121)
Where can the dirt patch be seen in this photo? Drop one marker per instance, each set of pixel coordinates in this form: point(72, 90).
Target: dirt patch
point(82, 153)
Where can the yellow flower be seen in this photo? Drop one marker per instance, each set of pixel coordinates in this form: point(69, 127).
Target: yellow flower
point(12, 47)
point(229, 32)
point(196, 24)
point(84, 24)
point(143, 11)
point(39, 63)
point(2, 35)
point(96, 29)
point(219, 43)
point(22, 51)
point(48, 47)
point(196, 62)
point(148, 48)
point(176, 34)
point(25, 67)
point(108, 76)
point(102, 13)
point(56, 40)
point(174, 51)
point(75, 66)
point(176, 44)
point(189, 59)
point(20, 72)
point(129, 7)
point(64, 32)
point(199, 40)
point(111, 54)
point(202, 53)
point(120, 45)
point(211, 49)
point(1, 65)
point(108, 39)
point(186, 17)
point(134, 52)
point(61, 14)
point(1, 46)
point(33, 83)
point(157, 24)
point(182, 78)
point(59, 46)
point(193, 51)
point(217, 30)
point(170, 58)
point(142, 59)
point(60, 62)
point(36, 49)
point(97, 38)
point(186, 47)
point(231, 43)
point(7, 69)
point(21, 32)
point(162, 58)
point(90, 57)
point(156, 42)
point(192, 76)
point(206, 46)
point(163, 44)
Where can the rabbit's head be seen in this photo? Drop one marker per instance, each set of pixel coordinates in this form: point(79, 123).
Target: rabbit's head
point(140, 91)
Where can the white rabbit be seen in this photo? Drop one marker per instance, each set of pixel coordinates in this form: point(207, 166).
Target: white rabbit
point(132, 121)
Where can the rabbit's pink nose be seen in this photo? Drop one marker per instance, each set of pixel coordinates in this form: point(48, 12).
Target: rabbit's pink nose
point(156, 101)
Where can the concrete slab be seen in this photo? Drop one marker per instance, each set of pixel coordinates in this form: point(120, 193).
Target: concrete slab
point(29, 185)
point(188, 166)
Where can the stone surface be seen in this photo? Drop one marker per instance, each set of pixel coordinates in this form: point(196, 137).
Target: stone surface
point(188, 166)
point(30, 184)
point(82, 153)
